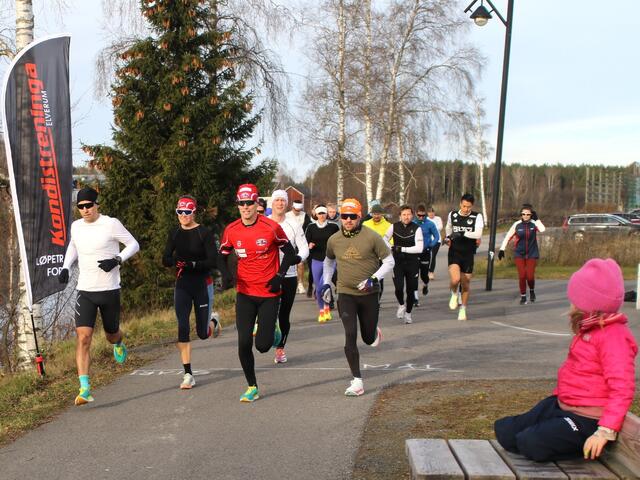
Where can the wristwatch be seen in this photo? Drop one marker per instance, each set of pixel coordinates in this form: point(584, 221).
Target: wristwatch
point(118, 259)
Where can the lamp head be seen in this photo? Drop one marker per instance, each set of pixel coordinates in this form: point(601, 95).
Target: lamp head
point(481, 16)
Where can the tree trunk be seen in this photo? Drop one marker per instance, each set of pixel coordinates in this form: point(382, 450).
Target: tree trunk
point(342, 27)
point(400, 156)
point(368, 124)
point(24, 23)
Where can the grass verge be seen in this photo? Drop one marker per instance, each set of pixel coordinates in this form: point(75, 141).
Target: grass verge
point(508, 270)
point(26, 400)
point(461, 409)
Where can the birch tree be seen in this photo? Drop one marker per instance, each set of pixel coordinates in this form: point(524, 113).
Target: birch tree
point(478, 149)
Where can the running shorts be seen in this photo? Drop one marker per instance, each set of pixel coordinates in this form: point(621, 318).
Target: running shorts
point(108, 302)
point(465, 262)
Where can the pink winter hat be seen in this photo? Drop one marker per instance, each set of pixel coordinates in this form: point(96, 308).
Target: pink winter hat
point(597, 287)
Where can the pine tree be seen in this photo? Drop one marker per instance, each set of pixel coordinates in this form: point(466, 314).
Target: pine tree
point(182, 120)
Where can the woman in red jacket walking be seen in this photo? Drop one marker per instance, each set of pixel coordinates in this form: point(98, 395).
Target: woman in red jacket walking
point(596, 382)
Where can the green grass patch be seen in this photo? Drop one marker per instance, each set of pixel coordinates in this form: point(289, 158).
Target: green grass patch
point(507, 269)
point(26, 400)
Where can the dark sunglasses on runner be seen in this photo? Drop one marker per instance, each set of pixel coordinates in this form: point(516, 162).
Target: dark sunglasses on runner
point(349, 216)
point(525, 214)
point(245, 203)
point(183, 211)
point(421, 215)
point(82, 206)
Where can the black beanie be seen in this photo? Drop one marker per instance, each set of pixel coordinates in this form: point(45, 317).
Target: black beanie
point(87, 194)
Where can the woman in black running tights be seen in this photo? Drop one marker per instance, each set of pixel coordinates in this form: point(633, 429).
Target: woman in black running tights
point(192, 251)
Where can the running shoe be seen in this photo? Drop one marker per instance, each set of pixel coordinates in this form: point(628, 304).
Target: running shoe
point(431, 276)
point(255, 329)
point(407, 318)
point(523, 299)
point(400, 311)
point(277, 335)
point(355, 389)
point(532, 296)
point(301, 288)
point(462, 313)
point(322, 317)
point(327, 313)
point(251, 395)
point(378, 339)
point(188, 382)
point(83, 397)
point(425, 290)
point(217, 326)
point(119, 352)
point(453, 301)
point(281, 357)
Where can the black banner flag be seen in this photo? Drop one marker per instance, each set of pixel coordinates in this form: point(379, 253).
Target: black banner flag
point(37, 135)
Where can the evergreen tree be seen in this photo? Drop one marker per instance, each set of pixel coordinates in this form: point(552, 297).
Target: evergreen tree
point(182, 123)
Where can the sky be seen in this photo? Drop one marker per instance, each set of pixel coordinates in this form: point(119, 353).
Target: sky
point(573, 93)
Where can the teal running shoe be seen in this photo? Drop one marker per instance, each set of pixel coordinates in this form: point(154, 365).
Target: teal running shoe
point(277, 335)
point(83, 397)
point(120, 353)
point(251, 395)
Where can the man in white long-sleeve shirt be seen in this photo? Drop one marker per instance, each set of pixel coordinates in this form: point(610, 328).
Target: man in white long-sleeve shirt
point(463, 228)
point(95, 244)
point(408, 242)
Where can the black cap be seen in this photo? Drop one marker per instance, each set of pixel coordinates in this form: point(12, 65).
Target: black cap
point(87, 194)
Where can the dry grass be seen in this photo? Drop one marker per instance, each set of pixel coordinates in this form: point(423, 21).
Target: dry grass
point(461, 409)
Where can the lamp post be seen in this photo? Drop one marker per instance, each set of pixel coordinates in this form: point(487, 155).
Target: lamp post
point(481, 16)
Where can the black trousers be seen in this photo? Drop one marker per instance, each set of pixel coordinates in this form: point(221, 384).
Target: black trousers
point(425, 265)
point(405, 275)
point(546, 432)
point(192, 292)
point(287, 297)
point(248, 308)
point(434, 253)
point(354, 310)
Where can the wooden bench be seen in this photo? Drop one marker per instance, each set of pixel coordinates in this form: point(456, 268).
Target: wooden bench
point(437, 459)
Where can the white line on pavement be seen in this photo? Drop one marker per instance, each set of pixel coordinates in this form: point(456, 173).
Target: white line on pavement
point(529, 330)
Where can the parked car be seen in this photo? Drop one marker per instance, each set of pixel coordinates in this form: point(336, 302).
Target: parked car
point(632, 217)
point(587, 224)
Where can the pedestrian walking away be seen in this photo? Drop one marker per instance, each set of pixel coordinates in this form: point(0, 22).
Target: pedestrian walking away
point(408, 244)
point(191, 250)
point(525, 250)
point(379, 224)
point(317, 235)
point(298, 215)
point(95, 243)
point(596, 383)
point(279, 202)
point(464, 228)
point(431, 214)
point(431, 238)
point(257, 242)
point(358, 253)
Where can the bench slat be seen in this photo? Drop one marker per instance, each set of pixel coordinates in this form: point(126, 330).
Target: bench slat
point(432, 459)
point(623, 456)
point(479, 460)
point(579, 469)
point(526, 469)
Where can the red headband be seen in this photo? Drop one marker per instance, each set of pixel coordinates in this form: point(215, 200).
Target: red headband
point(187, 203)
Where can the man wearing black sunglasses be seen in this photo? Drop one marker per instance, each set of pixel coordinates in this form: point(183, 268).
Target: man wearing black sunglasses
point(363, 259)
point(257, 242)
point(95, 243)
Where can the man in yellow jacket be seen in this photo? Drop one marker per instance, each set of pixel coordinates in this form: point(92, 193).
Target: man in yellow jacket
point(380, 225)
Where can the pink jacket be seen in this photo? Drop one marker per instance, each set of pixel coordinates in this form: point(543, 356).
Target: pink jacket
point(600, 371)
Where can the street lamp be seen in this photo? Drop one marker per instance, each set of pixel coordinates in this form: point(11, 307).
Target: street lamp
point(481, 16)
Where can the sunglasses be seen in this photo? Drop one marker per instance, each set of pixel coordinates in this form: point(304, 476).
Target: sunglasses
point(349, 216)
point(421, 215)
point(525, 214)
point(82, 206)
point(185, 211)
point(245, 203)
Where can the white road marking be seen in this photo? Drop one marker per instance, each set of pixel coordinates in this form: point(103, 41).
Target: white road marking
point(529, 330)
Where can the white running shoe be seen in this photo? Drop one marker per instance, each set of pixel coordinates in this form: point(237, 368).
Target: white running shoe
point(301, 288)
point(188, 382)
point(355, 389)
point(400, 311)
point(407, 318)
point(462, 313)
point(453, 301)
point(431, 276)
point(378, 339)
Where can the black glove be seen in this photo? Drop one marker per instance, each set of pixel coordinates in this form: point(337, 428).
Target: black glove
point(500, 254)
point(275, 284)
point(456, 235)
point(396, 249)
point(109, 264)
point(63, 276)
point(534, 215)
point(297, 260)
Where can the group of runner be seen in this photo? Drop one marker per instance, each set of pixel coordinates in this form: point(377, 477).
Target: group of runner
point(269, 250)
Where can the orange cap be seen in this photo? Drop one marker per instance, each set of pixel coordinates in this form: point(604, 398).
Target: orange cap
point(351, 205)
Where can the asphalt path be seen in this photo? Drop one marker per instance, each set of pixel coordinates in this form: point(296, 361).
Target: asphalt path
point(143, 426)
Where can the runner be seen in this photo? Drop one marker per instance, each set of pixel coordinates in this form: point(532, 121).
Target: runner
point(431, 238)
point(407, 247)
point(463, 229)
point(95, 244)
point(380, 225)
point(257, 241)
point(358, 252)
point(317, 235)
point(191, 250)
point(431, 213)
point(299, 215)
point(279, 201)
point(525, 250)
point(332, 214)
